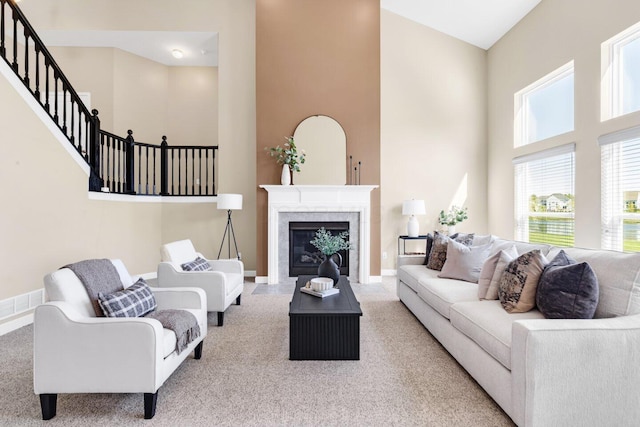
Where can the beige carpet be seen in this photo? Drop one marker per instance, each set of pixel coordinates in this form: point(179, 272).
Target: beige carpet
point(245, 378)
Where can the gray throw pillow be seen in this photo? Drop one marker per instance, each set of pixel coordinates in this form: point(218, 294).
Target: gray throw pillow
point(567, 289)
point(464, 262)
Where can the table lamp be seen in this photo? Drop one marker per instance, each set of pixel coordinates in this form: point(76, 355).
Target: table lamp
point(413, 207)
point(229, 202)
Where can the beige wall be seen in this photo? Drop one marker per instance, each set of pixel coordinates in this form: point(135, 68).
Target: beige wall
point(90, 70)
point(433, 128)
point(48, 221)
point(318, 58)
point(193, 106)
point(551, 35)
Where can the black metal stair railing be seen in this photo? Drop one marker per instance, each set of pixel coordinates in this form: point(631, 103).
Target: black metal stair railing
point(118, 165)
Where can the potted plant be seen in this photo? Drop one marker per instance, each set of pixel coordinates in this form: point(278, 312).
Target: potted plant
point(453, 217)
point(330, 245)
point(288, 157)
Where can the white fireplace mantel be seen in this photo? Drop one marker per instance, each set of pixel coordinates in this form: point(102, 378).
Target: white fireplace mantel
point(320, 198)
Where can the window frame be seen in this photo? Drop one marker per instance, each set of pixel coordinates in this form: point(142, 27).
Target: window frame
point(611, 105)
point(521, 103)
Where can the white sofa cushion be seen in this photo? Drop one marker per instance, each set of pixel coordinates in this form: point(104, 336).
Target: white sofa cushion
point(410, 274)
point(489, 326)
point(440, 294)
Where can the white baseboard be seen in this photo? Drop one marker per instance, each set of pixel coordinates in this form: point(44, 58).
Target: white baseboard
point(249, 273)
point(262, 279)
point(16, 323)
point(389, 272)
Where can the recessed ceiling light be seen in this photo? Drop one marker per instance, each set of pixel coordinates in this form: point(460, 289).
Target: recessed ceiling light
point(177, 53)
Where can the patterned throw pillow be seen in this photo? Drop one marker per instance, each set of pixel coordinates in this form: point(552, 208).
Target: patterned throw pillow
point(134, 301)
point(199, 264)
point(438, 255)
point(567, 290)
point(488, 270)
point(520, 280)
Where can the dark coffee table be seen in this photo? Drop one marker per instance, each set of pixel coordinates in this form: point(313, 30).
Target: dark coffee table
point(324, 328)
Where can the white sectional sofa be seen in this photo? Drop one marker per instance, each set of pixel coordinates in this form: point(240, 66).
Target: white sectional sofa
point(542, 372)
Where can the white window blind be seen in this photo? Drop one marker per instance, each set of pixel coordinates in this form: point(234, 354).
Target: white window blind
point(544, 196)
point(620, 169)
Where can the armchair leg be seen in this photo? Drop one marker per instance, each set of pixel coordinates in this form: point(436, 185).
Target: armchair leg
point(220, 318)
point(150, 400)
point(48, 405)
point(238, 299)
point(197, 352)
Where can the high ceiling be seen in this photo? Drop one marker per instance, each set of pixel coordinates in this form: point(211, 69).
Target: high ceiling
point(478, 22)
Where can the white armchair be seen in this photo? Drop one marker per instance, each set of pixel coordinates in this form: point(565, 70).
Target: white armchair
point(77, 352)
point(223, 285)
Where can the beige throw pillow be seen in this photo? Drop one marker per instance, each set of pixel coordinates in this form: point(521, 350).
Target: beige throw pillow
point(464, 262)
point(520, 280)
point(487, 271)
point(505, 257)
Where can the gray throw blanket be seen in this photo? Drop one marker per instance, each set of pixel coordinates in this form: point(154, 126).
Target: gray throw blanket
point(97, 275)
point(183, 323)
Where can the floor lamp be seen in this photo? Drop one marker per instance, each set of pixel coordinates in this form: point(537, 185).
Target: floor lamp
point(229, 202)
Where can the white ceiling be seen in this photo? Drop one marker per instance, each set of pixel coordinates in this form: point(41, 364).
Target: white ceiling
point(478, 22)
point(199, 48)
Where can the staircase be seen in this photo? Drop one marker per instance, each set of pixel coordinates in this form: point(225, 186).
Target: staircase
point(117, 164)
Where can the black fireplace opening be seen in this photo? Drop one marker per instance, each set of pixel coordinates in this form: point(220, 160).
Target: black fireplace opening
point(304, 258)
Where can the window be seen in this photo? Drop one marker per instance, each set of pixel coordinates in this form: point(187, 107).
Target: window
point(545, 108)
point(544, 195)
point(620, 171)
point(621, 74)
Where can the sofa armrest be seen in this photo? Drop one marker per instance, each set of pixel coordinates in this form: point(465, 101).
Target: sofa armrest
point(183, 298)
point(77, 354)
point(576, 372)
point(227, 266)
point(213, 282)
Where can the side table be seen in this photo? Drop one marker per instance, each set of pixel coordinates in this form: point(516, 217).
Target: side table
point(404, 239)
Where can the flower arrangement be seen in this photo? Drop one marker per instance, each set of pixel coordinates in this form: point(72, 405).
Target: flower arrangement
point(288, 154)
point(454, 216)
point(329, 244)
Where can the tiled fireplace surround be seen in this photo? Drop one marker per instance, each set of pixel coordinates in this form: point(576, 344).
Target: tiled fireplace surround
point(287, 203)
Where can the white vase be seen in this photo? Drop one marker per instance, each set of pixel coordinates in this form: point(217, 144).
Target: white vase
point(451, 230)
point(285, 177)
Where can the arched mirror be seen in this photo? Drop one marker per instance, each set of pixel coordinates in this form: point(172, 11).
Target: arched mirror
point(325, 144)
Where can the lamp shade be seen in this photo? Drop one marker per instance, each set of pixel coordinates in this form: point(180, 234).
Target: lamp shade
point(413, 207)
point(230, 201)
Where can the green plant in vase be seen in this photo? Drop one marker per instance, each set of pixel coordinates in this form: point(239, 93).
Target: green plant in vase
point(454, 216)
point(289, 157)
point(330, 245)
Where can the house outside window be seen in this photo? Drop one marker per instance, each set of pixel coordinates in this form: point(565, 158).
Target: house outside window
point(620, 84)
point(620, 169)
point(545, 196)
point(545, 108)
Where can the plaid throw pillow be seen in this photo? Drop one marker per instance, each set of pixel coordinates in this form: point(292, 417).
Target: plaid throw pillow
point(134, 301)
point(199, 264)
